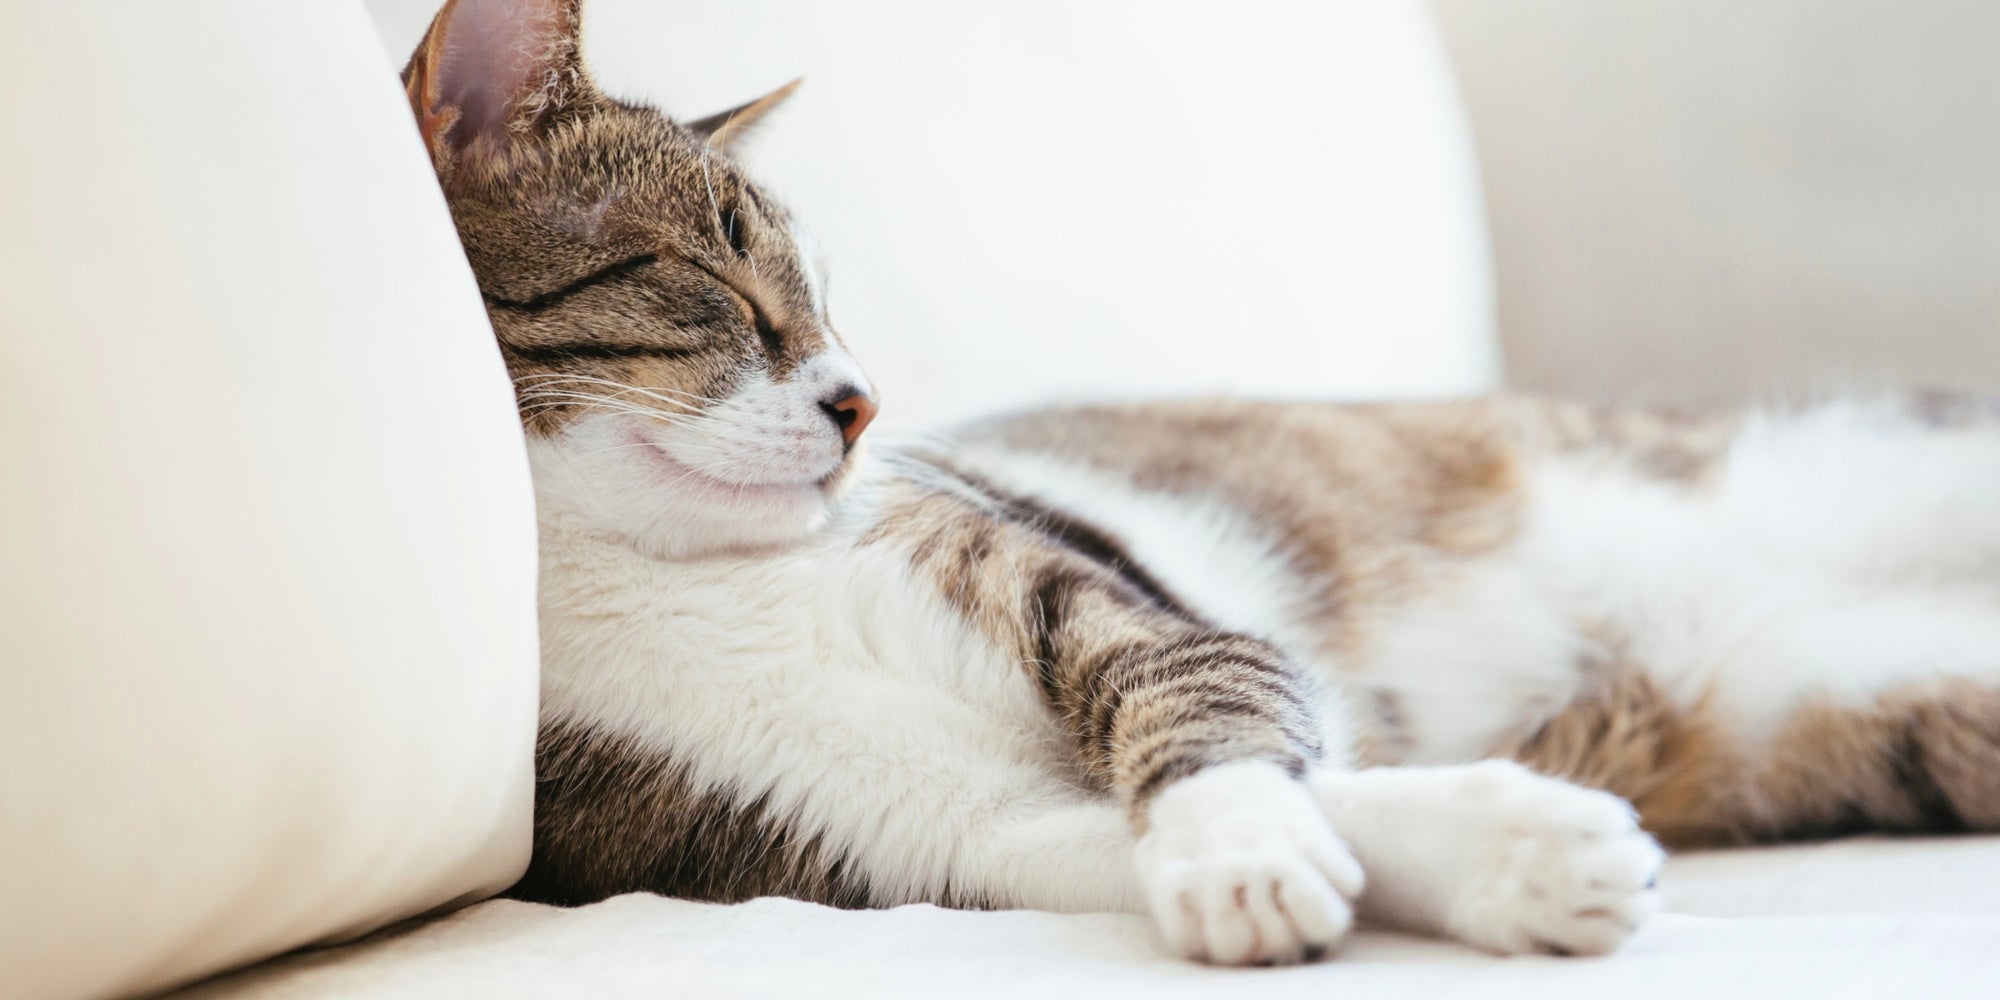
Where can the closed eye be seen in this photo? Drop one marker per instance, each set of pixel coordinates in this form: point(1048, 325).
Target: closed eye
point(555, 296)
point(767, 332)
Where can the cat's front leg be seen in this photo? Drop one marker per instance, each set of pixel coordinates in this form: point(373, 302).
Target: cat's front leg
point(1495, 855)
point(1206, 737)
point(1203, 735)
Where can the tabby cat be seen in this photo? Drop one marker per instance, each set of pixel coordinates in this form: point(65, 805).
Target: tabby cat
point(1257, 669)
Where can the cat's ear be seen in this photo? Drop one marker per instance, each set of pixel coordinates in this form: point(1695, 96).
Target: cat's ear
point(723, 128)
point(493, 71)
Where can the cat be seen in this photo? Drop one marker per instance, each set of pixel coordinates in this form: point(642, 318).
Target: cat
point(1256, 669)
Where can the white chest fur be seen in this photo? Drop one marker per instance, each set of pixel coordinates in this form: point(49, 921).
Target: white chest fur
point(836, 686)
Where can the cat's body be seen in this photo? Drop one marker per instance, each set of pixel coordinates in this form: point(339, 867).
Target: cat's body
point(1653, 605)
point(1226, 662)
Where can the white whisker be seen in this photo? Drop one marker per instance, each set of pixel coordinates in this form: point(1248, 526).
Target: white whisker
point(542, 380)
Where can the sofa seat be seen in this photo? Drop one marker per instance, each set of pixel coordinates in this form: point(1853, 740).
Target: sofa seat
point(1856, 918)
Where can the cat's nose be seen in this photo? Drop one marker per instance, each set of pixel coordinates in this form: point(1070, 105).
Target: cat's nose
point(852, 411)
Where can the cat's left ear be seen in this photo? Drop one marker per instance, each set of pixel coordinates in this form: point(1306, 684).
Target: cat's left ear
point(723, 128)
point(494, 72)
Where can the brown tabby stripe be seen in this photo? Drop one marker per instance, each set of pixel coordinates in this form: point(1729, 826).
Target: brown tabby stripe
point(1624, 734)
point(557, 295)
point(1922, 758)
point(1370, 503)
point(1148, 693)
point(611, 817)
point(1068, 532)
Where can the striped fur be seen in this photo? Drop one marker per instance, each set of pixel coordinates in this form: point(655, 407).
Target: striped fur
point(1234, 664)
point(1148, 691)
point(610, 816)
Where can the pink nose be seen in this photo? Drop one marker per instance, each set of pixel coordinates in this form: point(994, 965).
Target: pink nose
point(853, 413)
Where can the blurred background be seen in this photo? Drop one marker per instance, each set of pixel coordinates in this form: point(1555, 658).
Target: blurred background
point(1709, 197)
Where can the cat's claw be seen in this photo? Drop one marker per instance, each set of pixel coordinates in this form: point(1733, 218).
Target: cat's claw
point(1240, 867)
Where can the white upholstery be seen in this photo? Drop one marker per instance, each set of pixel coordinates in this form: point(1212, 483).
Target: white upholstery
point(1855, 920)
point(267, 644)
point(1097, 197)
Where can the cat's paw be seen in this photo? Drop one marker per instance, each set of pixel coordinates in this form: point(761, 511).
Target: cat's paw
point(1240, 867)
point(1566, 870)
point(1499, 857)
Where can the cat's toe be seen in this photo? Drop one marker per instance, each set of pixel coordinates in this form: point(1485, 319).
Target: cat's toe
point(1247, 910)
point(1239, 868)
point(1568, 872)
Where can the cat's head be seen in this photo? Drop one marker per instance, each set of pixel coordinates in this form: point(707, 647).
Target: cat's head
point(662, 319)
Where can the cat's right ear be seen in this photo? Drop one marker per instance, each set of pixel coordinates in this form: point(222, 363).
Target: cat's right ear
point(491, 72)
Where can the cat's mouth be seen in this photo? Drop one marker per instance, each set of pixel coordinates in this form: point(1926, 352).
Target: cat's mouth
point(685, 477)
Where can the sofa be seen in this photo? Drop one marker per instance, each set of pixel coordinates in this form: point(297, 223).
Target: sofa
point(268, 686)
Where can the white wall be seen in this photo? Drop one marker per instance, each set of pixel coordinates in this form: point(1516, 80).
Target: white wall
point(1706, 196)
point(1091, 197)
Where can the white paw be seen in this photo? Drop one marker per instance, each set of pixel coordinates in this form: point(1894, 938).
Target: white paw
point(1499, 857)
point(1240, 866)
point(1565, 871)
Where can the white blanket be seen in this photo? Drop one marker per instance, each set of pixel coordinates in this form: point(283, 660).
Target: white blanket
point(1859, 918)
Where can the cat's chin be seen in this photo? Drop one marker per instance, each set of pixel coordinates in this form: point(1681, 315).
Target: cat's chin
point(638, 492)
point(695, 519)
point(684, 521)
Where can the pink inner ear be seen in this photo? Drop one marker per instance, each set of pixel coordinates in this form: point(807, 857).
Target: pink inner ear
point(496, 55)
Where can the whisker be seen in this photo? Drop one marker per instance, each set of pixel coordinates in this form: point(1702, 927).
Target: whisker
point(587, 398)
point(710, 185)
point(549, 400)
point(550, 389)
point(552, 378)
point(655, 392)
point(539, 395)
point(587, 402)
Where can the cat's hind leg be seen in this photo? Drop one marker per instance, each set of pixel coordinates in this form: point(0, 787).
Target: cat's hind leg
point(1921, 757)
point(1851, 713)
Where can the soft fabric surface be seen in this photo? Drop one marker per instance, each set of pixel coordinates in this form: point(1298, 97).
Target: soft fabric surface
point(267, 539)
point(1849, 919)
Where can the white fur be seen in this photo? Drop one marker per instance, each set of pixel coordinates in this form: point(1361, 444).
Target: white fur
point(833, 682)
point(1206, 553)
point(1840, 552)
point(1239, 865)
point(1488, 652)
point(836, 685)
point(1485, 655)
point(1845, 549)
point(679, 478)
point(1494, 855)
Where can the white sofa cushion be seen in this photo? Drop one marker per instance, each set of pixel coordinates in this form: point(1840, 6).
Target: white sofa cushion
point(267, 637)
